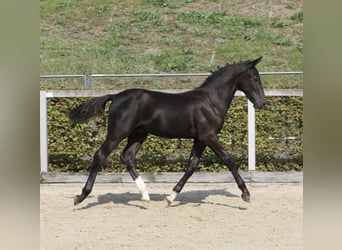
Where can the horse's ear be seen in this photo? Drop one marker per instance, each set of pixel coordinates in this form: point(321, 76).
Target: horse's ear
point(255, 62)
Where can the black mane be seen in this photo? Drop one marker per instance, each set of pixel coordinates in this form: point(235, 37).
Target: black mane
point(220, 71)
point(214, 75)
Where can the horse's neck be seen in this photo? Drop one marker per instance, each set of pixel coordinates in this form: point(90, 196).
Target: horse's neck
point(222, 91)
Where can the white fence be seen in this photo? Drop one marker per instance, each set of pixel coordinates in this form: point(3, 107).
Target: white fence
point(88, 80)
point(93, 93)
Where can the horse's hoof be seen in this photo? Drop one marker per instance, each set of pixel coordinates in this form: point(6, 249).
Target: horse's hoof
point(169, 199)
point(246, 198)
point(77, 200)
point(146, 202)
point(168, 202)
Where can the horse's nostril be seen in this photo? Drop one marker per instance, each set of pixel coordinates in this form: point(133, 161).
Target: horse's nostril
point(263, 105)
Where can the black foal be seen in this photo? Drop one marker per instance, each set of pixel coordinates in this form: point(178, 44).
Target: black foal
point(198, 114)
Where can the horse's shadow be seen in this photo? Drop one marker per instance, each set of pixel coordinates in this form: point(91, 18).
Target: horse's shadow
point(197, 197)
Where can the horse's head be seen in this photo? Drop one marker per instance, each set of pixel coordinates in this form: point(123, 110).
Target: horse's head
point(250, 84)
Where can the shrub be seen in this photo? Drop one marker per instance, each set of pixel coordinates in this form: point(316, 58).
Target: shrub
point(279, 140)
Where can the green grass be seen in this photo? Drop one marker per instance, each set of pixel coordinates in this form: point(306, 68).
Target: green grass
point(152, 36)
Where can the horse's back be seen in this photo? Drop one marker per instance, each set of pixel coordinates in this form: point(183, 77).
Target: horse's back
point(163, 114)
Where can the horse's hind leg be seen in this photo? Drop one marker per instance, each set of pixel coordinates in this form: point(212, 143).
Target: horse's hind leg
point(99, 158)
point(194, 160)
point(134, 142)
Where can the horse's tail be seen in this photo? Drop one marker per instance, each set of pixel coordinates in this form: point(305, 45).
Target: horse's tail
point(88, 110)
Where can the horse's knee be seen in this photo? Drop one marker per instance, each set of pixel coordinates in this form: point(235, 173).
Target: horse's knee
point(99, 157)
point(230, 162)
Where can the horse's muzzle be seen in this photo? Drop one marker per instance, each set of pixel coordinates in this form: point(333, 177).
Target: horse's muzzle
point(260, 105)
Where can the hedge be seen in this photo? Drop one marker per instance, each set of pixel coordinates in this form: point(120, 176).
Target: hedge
point(279, 140)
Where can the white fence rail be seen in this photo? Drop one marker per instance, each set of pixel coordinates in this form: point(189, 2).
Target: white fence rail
point(92, 76)
point(88, 79)
point(93, 93)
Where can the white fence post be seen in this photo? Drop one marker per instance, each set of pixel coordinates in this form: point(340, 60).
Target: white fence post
point(43, 133)
point(251, 136)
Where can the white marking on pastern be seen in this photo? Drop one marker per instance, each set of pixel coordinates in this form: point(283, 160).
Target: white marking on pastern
point(171, 197)
point(142, 188)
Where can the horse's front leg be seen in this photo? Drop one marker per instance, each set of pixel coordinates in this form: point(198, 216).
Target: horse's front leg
point(218, 149)
point(194, 160)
